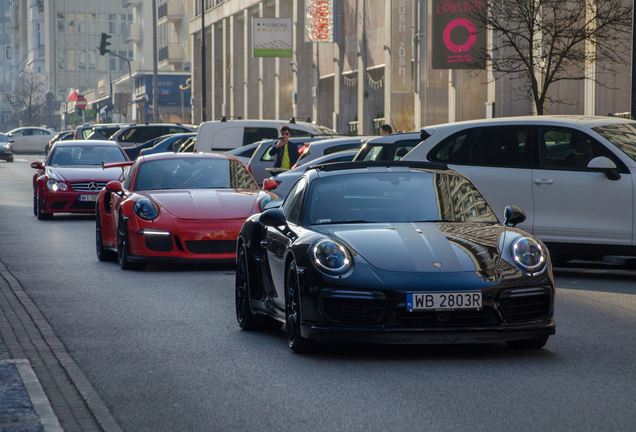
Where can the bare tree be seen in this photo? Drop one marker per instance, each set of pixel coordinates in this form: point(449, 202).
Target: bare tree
point(28, 101)
point(546, 41)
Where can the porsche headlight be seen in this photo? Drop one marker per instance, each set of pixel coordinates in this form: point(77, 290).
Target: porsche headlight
point(528, 254)
point(146, 209)
point(264, 202)
point(7, 146)
point(331, 257)
point(55, 185)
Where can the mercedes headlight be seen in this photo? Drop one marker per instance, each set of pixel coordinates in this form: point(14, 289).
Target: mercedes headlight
point(146, 209)
point(331, 257)
point(528, 254)
point(7, 146)
point(55, 185)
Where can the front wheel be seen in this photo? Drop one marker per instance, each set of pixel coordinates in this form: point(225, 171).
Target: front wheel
point(39, 202)
point(244, 314)
point(527, 344)
point(122, 247)
point(296, 341)
point(102, 253)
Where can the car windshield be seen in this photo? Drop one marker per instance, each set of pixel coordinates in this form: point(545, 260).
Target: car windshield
point(622, 135)
point(3, 138)
point(409, 196)
point(85, 155)
point(193, 173)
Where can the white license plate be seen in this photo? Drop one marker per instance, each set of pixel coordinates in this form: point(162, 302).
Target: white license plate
point(443, 301)
point(88, 197)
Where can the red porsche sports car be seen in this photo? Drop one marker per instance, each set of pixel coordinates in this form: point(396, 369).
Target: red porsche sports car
point(178, 207)
point(70, 178)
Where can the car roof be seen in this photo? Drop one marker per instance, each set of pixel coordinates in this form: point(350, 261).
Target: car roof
point(336, 141)
point(395, 137)
point(73, 143)
point(579, 120)
point(352, 167)
point(172, 155)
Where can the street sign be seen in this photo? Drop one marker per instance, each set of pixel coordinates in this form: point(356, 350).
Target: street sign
point(81, 102)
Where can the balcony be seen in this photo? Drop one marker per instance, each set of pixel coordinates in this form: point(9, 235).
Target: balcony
point(133, 33)
point(131, 3)
point(171, 54)
point(172, 11)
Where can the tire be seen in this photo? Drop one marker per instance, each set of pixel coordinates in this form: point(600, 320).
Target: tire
point(40, 205)
point(244, 315)
point(296, 341)
point(102, 254)
point(35, 204)
point(528, 344)
point(122, 248)
point(10, 159)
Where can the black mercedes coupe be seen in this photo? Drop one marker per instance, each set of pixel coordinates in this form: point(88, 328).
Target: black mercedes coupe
point(396, 253)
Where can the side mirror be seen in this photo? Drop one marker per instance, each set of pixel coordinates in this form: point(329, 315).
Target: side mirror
point(114, 186)
point(513, 216)
point(606, 166)
point(273, 218)
point(37, 165)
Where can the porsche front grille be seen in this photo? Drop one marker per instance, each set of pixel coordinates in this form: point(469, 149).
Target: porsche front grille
point(353, 307)
point(88, 186)
point(211, 246)
point(525, 304)
point(486, 316)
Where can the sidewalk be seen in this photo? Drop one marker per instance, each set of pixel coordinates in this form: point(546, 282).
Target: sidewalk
point(42, 389)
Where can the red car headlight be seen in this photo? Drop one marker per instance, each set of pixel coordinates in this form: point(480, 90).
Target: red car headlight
point(55, 186)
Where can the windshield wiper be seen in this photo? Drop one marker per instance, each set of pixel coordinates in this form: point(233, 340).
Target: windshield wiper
point(323, 222)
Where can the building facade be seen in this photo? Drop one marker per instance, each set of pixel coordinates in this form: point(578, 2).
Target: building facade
point(377, 70)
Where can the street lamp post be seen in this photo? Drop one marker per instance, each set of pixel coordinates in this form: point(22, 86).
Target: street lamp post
point(155, 72)
point(203, 60)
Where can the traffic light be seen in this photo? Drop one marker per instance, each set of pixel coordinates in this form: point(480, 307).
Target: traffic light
point(104, 43)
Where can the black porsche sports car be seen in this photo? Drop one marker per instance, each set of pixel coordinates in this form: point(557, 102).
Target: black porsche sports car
point(392, 252)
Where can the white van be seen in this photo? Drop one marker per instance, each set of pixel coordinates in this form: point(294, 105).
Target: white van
point(222, 135)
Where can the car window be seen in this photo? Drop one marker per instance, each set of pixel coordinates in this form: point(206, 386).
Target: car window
point(128, 173)
point(3, 138)
point(254, 134)
point(176, 144)
point(455, 149)
point(571, 150)
point(622, 135)
point(292, 207)
point(342, 147)
point(176, 129)
point(247, 153)
point(266, 156)
point(502, 146)
point(299, 133)
point(240, 178)
point(85, 155)
point(128, 135)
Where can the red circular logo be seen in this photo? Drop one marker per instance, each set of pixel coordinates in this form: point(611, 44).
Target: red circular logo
point(472, 35)
point(81, 102)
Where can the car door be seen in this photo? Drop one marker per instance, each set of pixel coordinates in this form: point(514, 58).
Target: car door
point(278, 243)
point(498, 160)
point(573, 204)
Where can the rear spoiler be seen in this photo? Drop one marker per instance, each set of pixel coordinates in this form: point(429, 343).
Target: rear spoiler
point(117, 164)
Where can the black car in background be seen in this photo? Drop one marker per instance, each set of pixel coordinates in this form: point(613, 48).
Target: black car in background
point(394, 253)
point(62, 136)
point(6, 149)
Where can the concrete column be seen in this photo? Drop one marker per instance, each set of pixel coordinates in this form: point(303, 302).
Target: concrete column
point(388, 77)
point(277, 71)
point(314, 89)
point(490, 78)
point(590, 66)
point(212, 111)
point(224, 78)
point(295, 12)
point(230, 70)
point(452, 97)
point(261, 97)
point(246, 61)
point(363, 128)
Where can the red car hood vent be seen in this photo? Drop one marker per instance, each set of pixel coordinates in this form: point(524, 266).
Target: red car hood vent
point(206, 204)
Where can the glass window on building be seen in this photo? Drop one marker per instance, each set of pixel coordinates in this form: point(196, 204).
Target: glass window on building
point(122, 23)
point(122, 62)
point(112, 63)
point(70, 57)
point(91, 23)
point(102, 63)
point(81, 60)
point(70, 19)
point(61, 59)
point(92, 58)
point(112, 23)
point(101, 22)
point(81, 23)
point(61, 22)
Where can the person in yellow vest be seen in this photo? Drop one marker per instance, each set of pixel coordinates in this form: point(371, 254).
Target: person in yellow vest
point(286, 152)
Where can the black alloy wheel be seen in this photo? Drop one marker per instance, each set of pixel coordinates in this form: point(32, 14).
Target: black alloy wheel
point(102, 253)
point(296, 341)
point(244, 315)
point(40, 205)
point(534, 343)
point(122, 247)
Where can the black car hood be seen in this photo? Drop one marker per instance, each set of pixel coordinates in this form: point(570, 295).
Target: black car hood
point(422, 246)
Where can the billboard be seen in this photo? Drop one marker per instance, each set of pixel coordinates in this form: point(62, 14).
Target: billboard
point(272, 37)
point(459, 39)
point(319, 20)
point(170, 88)
point(401, 47)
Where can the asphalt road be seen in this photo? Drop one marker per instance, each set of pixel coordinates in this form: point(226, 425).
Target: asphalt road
point(162, 348)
